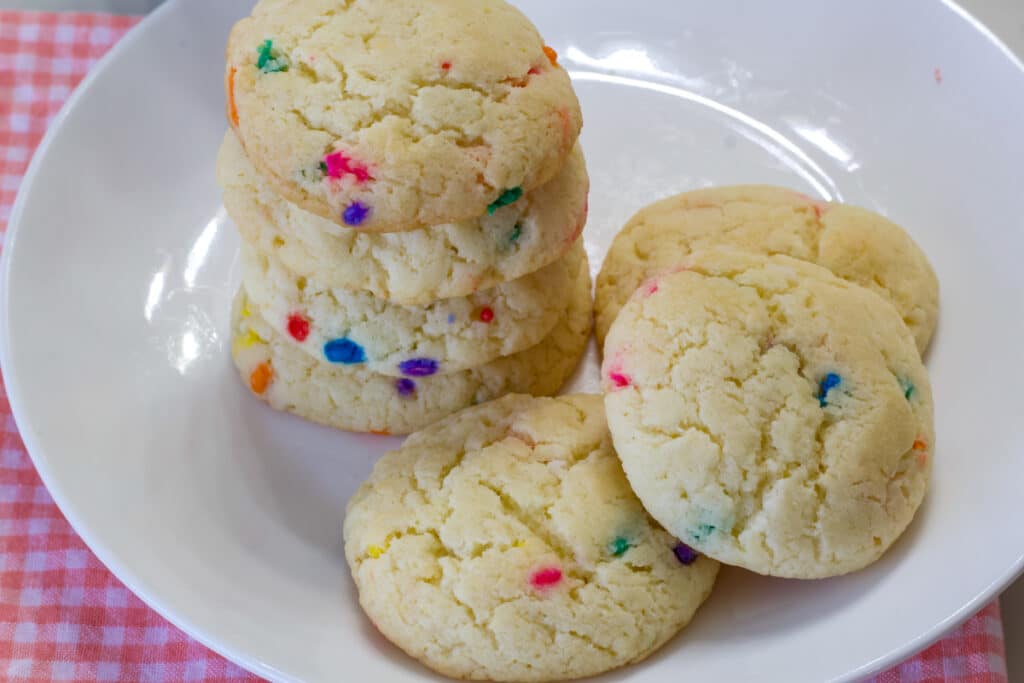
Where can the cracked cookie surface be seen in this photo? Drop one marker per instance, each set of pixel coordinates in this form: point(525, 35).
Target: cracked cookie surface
point(352, 398)
point(414, 267)
point(443, 337)
point(855, 244)
point(769, 414)
point(504, 543)
point(398, 114)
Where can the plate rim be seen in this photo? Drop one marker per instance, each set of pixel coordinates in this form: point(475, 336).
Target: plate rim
point(124, 574)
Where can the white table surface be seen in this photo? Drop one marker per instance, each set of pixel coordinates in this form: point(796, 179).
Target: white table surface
point(1004, 17)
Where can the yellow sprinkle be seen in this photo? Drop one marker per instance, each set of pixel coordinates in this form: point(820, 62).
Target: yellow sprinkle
point(250, 338)
point(246, 312)
point(519, 544)
point(375, 551)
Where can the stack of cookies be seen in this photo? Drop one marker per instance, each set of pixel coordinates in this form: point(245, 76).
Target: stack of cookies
point(407, 182)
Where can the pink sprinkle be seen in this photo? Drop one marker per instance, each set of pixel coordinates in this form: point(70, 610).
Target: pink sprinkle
point(938, 76)
point(340, 164)
point(651, 288)
point(818, 206)
point(549, 576)
point(922, 458)
point(619, 380)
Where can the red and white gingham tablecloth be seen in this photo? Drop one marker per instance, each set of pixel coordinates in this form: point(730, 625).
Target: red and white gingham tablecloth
point(63, 615)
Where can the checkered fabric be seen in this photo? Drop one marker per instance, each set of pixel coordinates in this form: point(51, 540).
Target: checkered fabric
point(63, 616)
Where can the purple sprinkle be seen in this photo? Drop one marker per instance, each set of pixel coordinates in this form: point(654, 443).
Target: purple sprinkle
point(405, 387)
point(356, 213)
point(685, 554)
point(418, 367)
point(451, 318)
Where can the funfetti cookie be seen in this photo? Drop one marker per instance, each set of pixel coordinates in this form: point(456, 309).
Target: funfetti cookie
point(855, 244)
point(770, 414)
point(505, 544)
point(415, 267)
point(399, 114)
point(409, 341)
point(350, 397)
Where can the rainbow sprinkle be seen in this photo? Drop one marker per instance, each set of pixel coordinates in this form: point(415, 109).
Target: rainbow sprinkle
point(507, 197)
point(261, 377)
point(551, 55)
point(270, 60)
point(355, 214)
point(344, 351)
point(250, 339)
point(619, 380)
point(419, 367)
point(405, 387)
point(828, 383)
point(908, 388)
point(619, 546)
point(516, 233)
point(338, 164)
point(703, 531)
point(544, 578)
point(298, 327)
point(685, 554)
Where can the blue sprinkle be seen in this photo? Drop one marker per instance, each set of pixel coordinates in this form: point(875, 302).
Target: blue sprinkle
point(418, 367)
point(702, 531)
point(356, 213)
point(451, 318)
point(344, 351)
point(685, 554)
point(405, 387)
point(831, 381)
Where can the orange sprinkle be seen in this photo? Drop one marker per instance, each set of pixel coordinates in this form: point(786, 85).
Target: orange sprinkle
point(232, 109)
point(376, 433)
point(552, 55)
point(920, 445)
point(261, 377)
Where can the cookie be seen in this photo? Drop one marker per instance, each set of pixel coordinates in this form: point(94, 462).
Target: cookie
point(855, 244)
point(445, 336)
point(770, 414)
point(399, 114)
point(414, 267)
point(504, 543)
point(352, 398)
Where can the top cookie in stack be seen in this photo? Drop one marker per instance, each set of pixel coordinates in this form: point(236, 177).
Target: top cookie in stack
point(406, 180)
point(394, 115)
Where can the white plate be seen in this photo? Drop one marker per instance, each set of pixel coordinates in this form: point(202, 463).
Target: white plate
point(225, 517)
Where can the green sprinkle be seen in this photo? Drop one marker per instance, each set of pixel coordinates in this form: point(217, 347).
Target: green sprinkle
point(270, 60)
point(618, 547)
point(323, 167)
point(507, 197)
point(514, 236)
point(702, 531)
point(908, 388)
